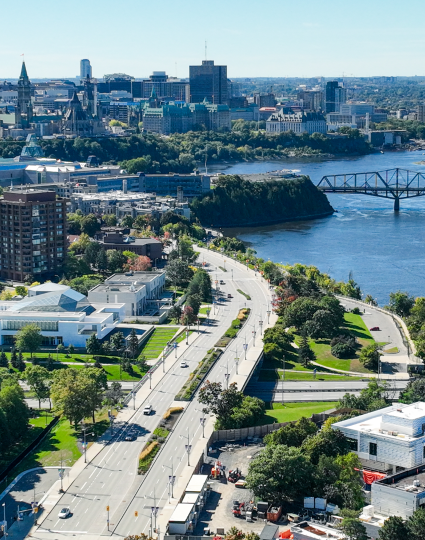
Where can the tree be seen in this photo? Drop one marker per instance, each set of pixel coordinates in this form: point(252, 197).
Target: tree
point(414, 391)
point(12, 403)
point(110, 220)
point(328, 442)
point(369, 356)
point(370, 300)
point(293, 434)
point(116, 260)
point(118, 342)
point(50, 365)
point(249, 413)
point(21, 290)
point(353, 529)
point(38, 378)
point(188, 316)
point(114, 394)
point(141, 264)
point(280, 473)
point(3, 360)
point(127, 221)
point(178, 273)
point(322, 325)
point(91, 253)
point(221, 402)
point(84, 283)
point(29, 338)
point(82, 244)
point(14, 358)
point(200, 285)
point(300, 311)
point(175, 312)
point(305, 352)
point(133, 343)
point(401, 303)
point(94, 383)
point(416, 525)
point(194, 302)
point(93, 345)
point(102, 261)
point(71, 349)
point(89, 224)
point(393, 528)
point(75, 267)
point(21, 363)
point(68, 395)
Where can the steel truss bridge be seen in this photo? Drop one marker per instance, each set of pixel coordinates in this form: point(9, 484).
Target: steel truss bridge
point(390, 184)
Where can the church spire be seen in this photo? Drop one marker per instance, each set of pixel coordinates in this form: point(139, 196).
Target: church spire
point(24, 74)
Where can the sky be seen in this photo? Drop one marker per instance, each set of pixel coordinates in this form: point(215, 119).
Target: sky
point(265, 38)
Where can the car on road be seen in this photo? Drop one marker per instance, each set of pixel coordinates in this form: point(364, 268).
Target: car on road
point(375, 329)
point(183, 364)
point(64, 513)
point(147, 410)
point(130, 438)
point(222, 282)
point(229, 296)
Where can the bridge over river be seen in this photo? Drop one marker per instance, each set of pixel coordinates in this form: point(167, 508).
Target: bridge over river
point(390, 184)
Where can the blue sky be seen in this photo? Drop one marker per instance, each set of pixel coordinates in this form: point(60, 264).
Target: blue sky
point(263, 38)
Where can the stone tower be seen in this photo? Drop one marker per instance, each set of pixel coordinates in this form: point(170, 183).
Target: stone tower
point(24, 113)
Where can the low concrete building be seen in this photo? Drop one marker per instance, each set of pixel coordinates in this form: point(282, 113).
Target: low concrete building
point(400, 494)
point(64, 316)
point(389, 438)
point(137, 291)
point(141, 246)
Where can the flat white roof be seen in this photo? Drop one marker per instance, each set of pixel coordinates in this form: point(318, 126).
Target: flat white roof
point(181, 513)
point(412, 412)
point(196, 483)
point(190, 498)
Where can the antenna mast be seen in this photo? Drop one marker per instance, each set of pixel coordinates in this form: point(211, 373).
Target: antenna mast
point(205, 50)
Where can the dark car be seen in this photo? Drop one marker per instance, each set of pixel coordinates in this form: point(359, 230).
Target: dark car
point(130, 438)
point(375, 329)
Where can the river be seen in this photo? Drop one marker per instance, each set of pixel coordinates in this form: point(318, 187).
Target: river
point(384, 251)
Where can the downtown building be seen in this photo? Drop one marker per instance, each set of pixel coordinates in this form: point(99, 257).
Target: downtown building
point(298, 122)
point(33, 231)
point(209, 82)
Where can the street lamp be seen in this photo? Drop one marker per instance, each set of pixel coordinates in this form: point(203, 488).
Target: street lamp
point(188, 447)
point(232, 274)
point(134, 398)
point(175, 345)
point(187, 336)
point(268, 315)
point(260, 322)
point(197, 320)
point(254, 333)
point(208, 315)
point(245, 347)
point(84, 428)
point(150, 379)
point(111, 420)
point(171, 480)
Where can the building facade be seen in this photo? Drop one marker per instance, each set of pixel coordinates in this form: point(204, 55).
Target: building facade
point(335, 96)
point(23, 111)
point(389, 438)
point(190, 185)
point(85, 69)
point(298, 122)
point(208, 81)
point(33, 230)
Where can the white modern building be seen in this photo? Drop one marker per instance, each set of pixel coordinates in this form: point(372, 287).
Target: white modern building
point(64, 316)
point(298, 122)
point(139, 292)
point(388, 439)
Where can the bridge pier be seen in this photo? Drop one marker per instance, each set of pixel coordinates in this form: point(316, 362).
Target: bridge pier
point(397, 204)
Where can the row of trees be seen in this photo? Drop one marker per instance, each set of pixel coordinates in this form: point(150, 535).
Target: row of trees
point(14, 413)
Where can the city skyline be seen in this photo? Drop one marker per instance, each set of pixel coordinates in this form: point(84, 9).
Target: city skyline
point(324, 40)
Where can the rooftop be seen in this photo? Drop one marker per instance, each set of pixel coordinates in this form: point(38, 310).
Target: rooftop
point(134, 277)
point(412, 480)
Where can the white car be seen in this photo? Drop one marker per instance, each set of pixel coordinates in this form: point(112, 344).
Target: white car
point(64, 513)
point(147, 410)
point(183, 364)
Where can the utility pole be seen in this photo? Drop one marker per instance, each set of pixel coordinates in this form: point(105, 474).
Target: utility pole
point(134, 398)
point(237, 361)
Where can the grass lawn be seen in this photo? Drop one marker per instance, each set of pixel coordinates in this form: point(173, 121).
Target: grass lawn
point(322, 348)
point(203, 310)
point(60, 443)
point(157, 341)
point(288, 412)
point(113, 373)
point(274, 375)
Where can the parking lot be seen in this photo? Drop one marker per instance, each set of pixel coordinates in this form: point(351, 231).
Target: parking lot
point(217, 513)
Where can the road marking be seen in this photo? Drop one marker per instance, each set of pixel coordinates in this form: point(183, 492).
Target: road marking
point(73, 499)
point(83, 485)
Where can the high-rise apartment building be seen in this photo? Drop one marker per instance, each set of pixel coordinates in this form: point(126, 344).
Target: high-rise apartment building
point(33, 235)
point(421, 113)
point(335, 96)
point(85, 69)
point(208, 82)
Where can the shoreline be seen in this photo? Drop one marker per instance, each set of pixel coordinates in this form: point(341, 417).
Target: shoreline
point(276, 222)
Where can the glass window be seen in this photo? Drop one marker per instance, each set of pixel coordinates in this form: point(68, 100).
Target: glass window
point(373, 449)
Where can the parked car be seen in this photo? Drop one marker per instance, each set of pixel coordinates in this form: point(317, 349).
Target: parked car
point(222, 282)
point(229, 296)
point(64, 513)
point(147, 410)
point(183, 364)
point(375, 329)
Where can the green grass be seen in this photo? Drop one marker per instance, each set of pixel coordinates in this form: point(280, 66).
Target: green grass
point(273, 375)
point(60, 443)
point(203, 310)
point(113, 373)
point(288, 412)
point(322, 348)
point(222, 269)
point(244, 294)
point(393, 350)
point(161, 432)
point(156, 343)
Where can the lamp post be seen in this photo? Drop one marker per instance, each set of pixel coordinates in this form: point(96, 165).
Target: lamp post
point(197, 320)
point(254, 333)
point(237, 361)
point(232, 274)
point(260, 322)
point(84, 429)
point(187, 336)
point(208, 315)
point(150, 379)
point(188, 447)
point(268, 315)
point(171, 480)
point(134, 398)
point(175, 345)
point(245, 347)
point(111, 420)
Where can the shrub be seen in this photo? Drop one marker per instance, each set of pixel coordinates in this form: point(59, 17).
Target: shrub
point(356, 311)
point(104, 359)
point(236, 323)
point(161, 440)
point(231, 333)
point(342, 350)
point(145, 453)
point(172, 410)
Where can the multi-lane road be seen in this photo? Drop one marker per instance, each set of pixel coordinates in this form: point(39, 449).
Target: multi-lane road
point(110, 479)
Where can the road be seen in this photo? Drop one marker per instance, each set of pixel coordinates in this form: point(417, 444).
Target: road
point(111, 479)
point(313, 390)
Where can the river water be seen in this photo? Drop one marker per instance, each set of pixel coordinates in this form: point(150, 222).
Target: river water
point(384, 251)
